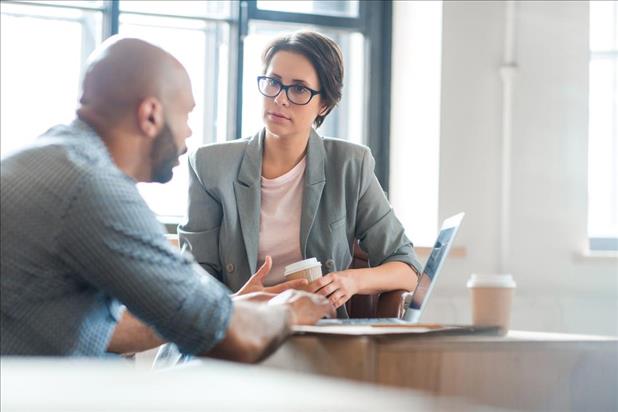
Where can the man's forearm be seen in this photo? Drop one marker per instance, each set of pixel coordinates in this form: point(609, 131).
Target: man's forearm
point(132, 335)
point(254, 332)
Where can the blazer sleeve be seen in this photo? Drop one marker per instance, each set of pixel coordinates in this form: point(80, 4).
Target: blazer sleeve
point(379, 231)
point(200, 233)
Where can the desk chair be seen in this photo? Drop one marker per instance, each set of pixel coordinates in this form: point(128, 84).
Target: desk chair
point(379, 305)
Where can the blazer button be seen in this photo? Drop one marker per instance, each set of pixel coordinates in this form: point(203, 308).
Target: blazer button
point(330, 264)
point(230, 267)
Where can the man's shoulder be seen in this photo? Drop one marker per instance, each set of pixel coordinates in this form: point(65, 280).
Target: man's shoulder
point(65, 147)
point(48, 161)
point(82, 147)
point(62, 161)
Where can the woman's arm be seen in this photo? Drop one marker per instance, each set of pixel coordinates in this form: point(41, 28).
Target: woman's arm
point(388, 276)
point(339, 287)
point(379, 233)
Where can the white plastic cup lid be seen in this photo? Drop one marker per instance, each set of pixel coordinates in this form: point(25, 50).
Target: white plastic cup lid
point(491, 281)
point(302, 265)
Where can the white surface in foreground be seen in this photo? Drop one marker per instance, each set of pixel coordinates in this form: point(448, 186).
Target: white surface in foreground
point(89, 385)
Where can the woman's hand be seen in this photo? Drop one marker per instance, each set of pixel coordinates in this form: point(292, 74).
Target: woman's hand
point(256, 282)
point(338, 287)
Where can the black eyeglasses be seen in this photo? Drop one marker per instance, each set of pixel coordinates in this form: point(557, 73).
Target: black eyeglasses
point(296, 93)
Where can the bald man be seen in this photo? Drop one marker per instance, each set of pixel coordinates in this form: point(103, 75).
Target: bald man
point(86, 269)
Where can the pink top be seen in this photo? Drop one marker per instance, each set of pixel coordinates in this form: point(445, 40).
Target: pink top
point(282, 200)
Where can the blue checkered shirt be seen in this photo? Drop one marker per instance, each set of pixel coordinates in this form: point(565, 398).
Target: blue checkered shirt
point(78, 243)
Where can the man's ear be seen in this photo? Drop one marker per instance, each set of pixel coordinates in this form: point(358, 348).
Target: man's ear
point(150, 117)
point(324, 111)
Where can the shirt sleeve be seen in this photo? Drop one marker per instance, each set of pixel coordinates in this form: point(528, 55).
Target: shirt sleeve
point(379, 231)
point(112, 240)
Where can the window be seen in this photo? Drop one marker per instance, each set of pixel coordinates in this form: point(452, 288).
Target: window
point(331, 8)
point(219, 42)
point(40, 73)
point(603, 127)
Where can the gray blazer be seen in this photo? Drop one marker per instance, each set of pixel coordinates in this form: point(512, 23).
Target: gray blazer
point(342, 201)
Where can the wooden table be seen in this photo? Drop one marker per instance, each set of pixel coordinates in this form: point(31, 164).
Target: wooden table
point(523, 370)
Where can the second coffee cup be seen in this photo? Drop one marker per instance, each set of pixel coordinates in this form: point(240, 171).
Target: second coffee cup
point(491, 299)
point(310, 269)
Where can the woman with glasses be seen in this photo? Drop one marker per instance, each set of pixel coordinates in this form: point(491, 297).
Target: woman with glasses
point(288, 194)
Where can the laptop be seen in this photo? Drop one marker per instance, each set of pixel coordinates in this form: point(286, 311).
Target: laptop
point(418, 301)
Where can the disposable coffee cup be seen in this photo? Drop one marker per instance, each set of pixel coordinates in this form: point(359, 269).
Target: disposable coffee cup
point(309, 269)
point(492, 297)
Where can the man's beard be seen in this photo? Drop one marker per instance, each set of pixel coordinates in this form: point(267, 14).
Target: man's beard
point(164, 155)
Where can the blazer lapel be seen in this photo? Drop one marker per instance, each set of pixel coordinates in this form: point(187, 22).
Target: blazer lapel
point(247, 191)
point(315, 179)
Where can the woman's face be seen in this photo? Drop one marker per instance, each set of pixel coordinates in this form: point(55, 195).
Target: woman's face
point(282, 117)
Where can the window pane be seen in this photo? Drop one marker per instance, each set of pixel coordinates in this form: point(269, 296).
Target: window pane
point(603, 149)
point(346, 121)
point(210, 8)
point(603, 22)
point(92, 4)
point(415, 117)
point(603, 126)
point(41, 73)
point(202, 48)
point(347, 8)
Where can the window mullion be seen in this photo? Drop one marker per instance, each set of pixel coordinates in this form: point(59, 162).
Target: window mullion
point(242, 30)
point(111, 17)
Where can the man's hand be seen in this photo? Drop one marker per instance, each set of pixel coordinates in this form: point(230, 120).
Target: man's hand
point(256, 282)
point(338, 287)
point(305, 308)
point(256, 330)
point(255, 297)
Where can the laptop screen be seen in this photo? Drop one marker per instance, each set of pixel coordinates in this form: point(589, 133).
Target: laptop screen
point(435, 261)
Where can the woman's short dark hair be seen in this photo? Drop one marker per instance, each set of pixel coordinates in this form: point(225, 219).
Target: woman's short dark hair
point(325, 56)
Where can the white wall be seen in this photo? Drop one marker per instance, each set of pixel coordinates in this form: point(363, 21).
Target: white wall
point(558, 289)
